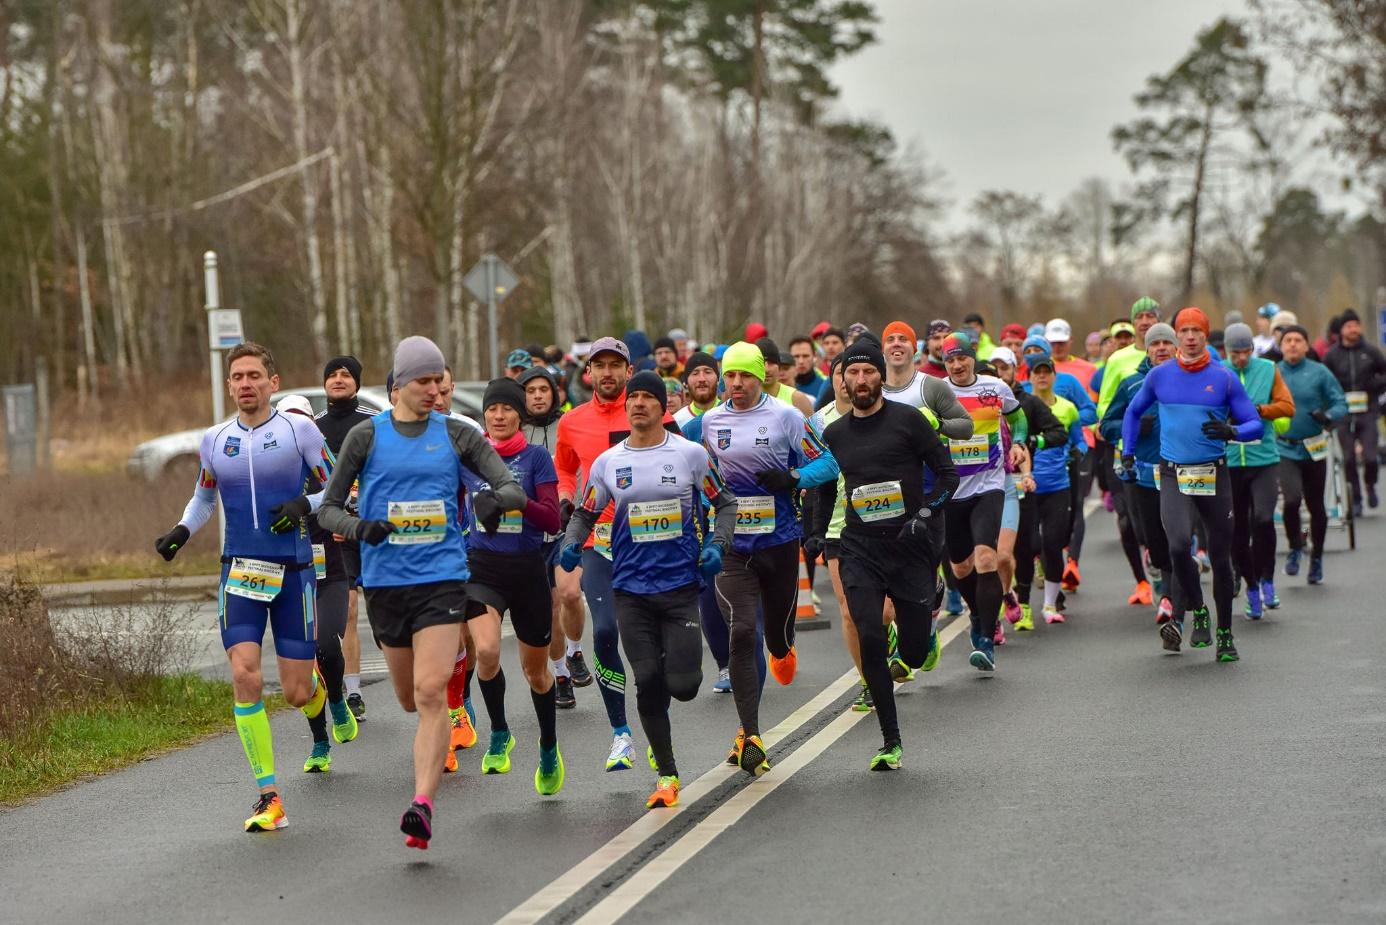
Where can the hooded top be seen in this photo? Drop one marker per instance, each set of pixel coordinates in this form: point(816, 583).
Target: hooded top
point(541, 431)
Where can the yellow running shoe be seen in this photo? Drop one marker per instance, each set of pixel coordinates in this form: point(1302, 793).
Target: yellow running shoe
point(268, 815)
point(665, 794)
point(344, 726)
point(548, 777)
point(1026, 621)
point(320, 761)
point(752, 757)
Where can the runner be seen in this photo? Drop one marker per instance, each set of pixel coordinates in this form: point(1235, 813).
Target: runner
point(972, 518)
point(910, 386)
point(932, 364)
point(258, 463)
point(505, 557)
point(886, 549)
point(1361, 371)
point(1254, 468)
point(767, 453)
point(772, 384)
point(409, 460)
point(1319, 404)
point(341, 381)
point(1202, 407)
point(649, 482)
point(808, 378)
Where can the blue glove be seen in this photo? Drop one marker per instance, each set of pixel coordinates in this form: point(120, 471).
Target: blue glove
point(571, 557)
point(710, 560)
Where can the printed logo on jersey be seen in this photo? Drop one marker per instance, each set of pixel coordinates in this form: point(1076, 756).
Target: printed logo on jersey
point(624, 478)
point(232, 447)
point(762, 430)
point(988, 397)
point(762, 441)
point(270, 442)
point(723, 439)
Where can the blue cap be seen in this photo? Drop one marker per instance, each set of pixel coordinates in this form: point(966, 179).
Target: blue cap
point(1268, 311)
point(518, 358)
point(1036, 340)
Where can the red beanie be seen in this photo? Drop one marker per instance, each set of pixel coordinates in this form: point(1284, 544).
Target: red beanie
point(755, 331)
point(1195, 316)
point(899, 327)
point(1013, 330)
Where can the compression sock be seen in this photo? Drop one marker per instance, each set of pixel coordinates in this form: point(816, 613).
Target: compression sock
point(493, 692)
point(1051, 592)
point(456, 682)
point(467, 681)
point(967, 587)
point(331, 665)
point(318, 726)
point(988, 602)
point(252, 724)
point(313, 708)
point(545, 708)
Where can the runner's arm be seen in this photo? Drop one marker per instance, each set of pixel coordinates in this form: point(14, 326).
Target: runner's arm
point(1282, 402)
point(566, 461)
point(332, 513)
point(1047, 426)
point(1337, 399)
point(1020, 425)
point(542, 509)
point(475, 453)
point(203, 503)
point(1131, 421)
point(953, 420)
point(935, 455)
point(1242, 411)
point(816, 462)
point(1116, 411)
point(715, 489)
point(317, 457)
point(594, 500)
point(825, 499)
point(1087, 410)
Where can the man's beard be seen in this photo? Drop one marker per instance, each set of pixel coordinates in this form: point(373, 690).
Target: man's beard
point(705, 397)
point(862, 402)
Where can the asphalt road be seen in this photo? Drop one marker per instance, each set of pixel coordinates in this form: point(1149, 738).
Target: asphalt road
point(1094, 778)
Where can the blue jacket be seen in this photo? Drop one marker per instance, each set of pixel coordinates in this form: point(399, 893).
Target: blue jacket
point(1315, 388)
point(1050, 467)
point(1147, 448)
point(1187, 400)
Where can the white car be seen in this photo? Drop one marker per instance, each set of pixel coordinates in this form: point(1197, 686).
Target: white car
point(176, 454)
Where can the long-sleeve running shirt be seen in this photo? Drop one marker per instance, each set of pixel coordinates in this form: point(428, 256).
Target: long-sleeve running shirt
point(1187, 400)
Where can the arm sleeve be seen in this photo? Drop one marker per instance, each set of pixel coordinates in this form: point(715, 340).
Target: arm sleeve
point(1337, 401)
point(1281, 404)
point(203, 503)
point(724, 528)
point(316, 456)
point(1112, 420)
point(542, 509)
point(332, 515)
point(474, 452)
point(953, 420)
point(824, 501)
point(566, 462)
point(714, 488)
point(1020, 425)
point(1131, 421)
point(1242, 411)
point(1048, 425)
point(580, 526)
point(817, 464)
point(1087, 411)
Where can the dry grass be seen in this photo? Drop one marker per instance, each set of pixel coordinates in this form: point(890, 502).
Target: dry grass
point(99, 437)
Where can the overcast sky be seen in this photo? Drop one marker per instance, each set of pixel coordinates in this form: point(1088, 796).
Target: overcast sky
point(1017, 94)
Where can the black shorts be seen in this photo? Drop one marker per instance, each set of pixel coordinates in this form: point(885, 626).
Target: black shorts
point(831, 549)
point(903, 569)
point(550, 552)
point(973, 522)
point(511, 581)
point(396, 614)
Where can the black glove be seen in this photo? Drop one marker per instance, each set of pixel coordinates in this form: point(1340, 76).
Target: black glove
point(285, 517)
point(172, 541)
point(488, 509)
point(813, 547)
point(374, 531)
point(777, 480)
point(1128, 468)
point(1322, 417)
point(917, 526)
point(1218, 429)
point(565, 514)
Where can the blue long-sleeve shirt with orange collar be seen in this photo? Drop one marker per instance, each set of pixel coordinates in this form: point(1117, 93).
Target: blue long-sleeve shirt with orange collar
point(1186, 400)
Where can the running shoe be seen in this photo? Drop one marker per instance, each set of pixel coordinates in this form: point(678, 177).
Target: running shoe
point(417, 825)
point(1316, 570)
point(548, 777)
point(1164, 612)
point(268, 814)
point(622, 753)
point(564, 697)
point(864, 703)
point(1026, 621)
point(817, 602)
point(320, 759)
point(1052, 614)
point(892, 640)
point(1269, 599)
point(1011, 607)
point(357, 707)
point(344, 726)
point(1253, 602)
point(578, 670)
point(784, 669)
point(1372, 500)
point(1227, 652)
point(1072, 578)
point(723, 683)
point(1356, 509)
point(1205, 564)
point(1292, 561)
point(497, 757)
point(899, 671)
point(450, 762)
point(1202, 635)
point(888, 758)
point(1141, 594)
point(935, 650)
point(463, 732)
point(666, 793)
point(734, 756)
point(1172, 634)
point(752, 756)
point(983, 657)
point(998, 636)
point(954, 606)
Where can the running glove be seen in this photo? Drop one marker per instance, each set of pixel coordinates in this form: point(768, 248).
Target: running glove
point(1128, 468)
point(374, 531)
point(917, 526)
point(565, 514)
point(710, 560)
point(172, 541)
point(488, 510)
point(1218, 429)
point(570, 557)
point(813, 547)
point(1322, 417)
point(777, 480)
point(285, 517)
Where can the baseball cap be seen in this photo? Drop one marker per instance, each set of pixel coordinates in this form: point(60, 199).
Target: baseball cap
point(1004, 354)
point(519, 358)
point(609, 345)
point(1122, 327)
point(296, 403)
point(1058, 330)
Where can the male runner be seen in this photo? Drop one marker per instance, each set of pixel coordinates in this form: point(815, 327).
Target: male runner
point(1145, 312)
point(912, 387)
point(651, 481)
point(258, 463)
point(932, 363)
point(772, 384)
point(808, 378)
point(409, 462)
point(1361, 371)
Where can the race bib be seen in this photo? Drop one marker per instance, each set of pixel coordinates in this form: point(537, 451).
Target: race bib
point(755, 515)
point(417, 522)
point(973, 451)
point(319, 561)
point(1356, 402)
point(601, 540)
point(879, 501)
point(1317, 447)
point(254, 579)
point(1197, 481)
point(511, 522)
point(655, 521)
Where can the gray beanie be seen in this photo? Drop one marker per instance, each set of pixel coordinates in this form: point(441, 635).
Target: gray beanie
point(1237, 337)
point(1231, 317)
point(416, 357)
point(1160, 332)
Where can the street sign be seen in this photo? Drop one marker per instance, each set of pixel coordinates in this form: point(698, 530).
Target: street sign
point(490, 281)
point(224, 329)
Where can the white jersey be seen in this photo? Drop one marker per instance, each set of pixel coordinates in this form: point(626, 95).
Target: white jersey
point(911, 393)
point(978, 458)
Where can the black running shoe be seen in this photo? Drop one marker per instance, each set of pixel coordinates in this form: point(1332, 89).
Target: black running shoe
point(357, 707)
point(564, 698)
point(417, 825)
point(1227, 652)
point(578, 670)
point(1202, 635)
point(1172, 634)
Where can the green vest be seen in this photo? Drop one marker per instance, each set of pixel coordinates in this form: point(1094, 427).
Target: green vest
point(1119, 366)
point(1258, 379)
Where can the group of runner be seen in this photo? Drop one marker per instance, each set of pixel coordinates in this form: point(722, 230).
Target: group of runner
point(676, 504)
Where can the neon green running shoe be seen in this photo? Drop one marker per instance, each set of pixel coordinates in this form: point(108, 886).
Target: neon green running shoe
point(344, 726)
point(497, 757)
point(864, 703)
point(899, 671)
point(548, 777)
point(931, 660)
point(892, 639)
point(320, 761)
point(649, 756)
point(888, 758)
point(1027, 620)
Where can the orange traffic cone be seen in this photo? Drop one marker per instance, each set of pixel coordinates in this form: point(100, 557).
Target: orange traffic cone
point(805, 616)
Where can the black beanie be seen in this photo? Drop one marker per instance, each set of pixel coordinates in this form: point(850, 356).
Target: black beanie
point(864, 351)
point(770, 351)
point(697, 360)
point(647, 380)
point(506, 392)
point(664, 342)
point(1349, 314)
point(348, 363)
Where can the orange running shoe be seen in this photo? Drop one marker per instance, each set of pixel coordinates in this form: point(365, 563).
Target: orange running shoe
point(268, 814)
point(463, 732)
point(734, 756)
point(665, 794)
point(1141, 595)
point(450, 763)
point(1072, 578)
point(784, 669)
point(751, 756)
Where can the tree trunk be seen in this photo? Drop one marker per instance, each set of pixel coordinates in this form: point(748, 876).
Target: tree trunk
point(90, 377)
point(299, 95)
point(1196, 202)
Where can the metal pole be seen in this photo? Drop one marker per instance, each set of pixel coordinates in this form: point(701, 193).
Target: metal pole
point(491, 331)
point(209, 279)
